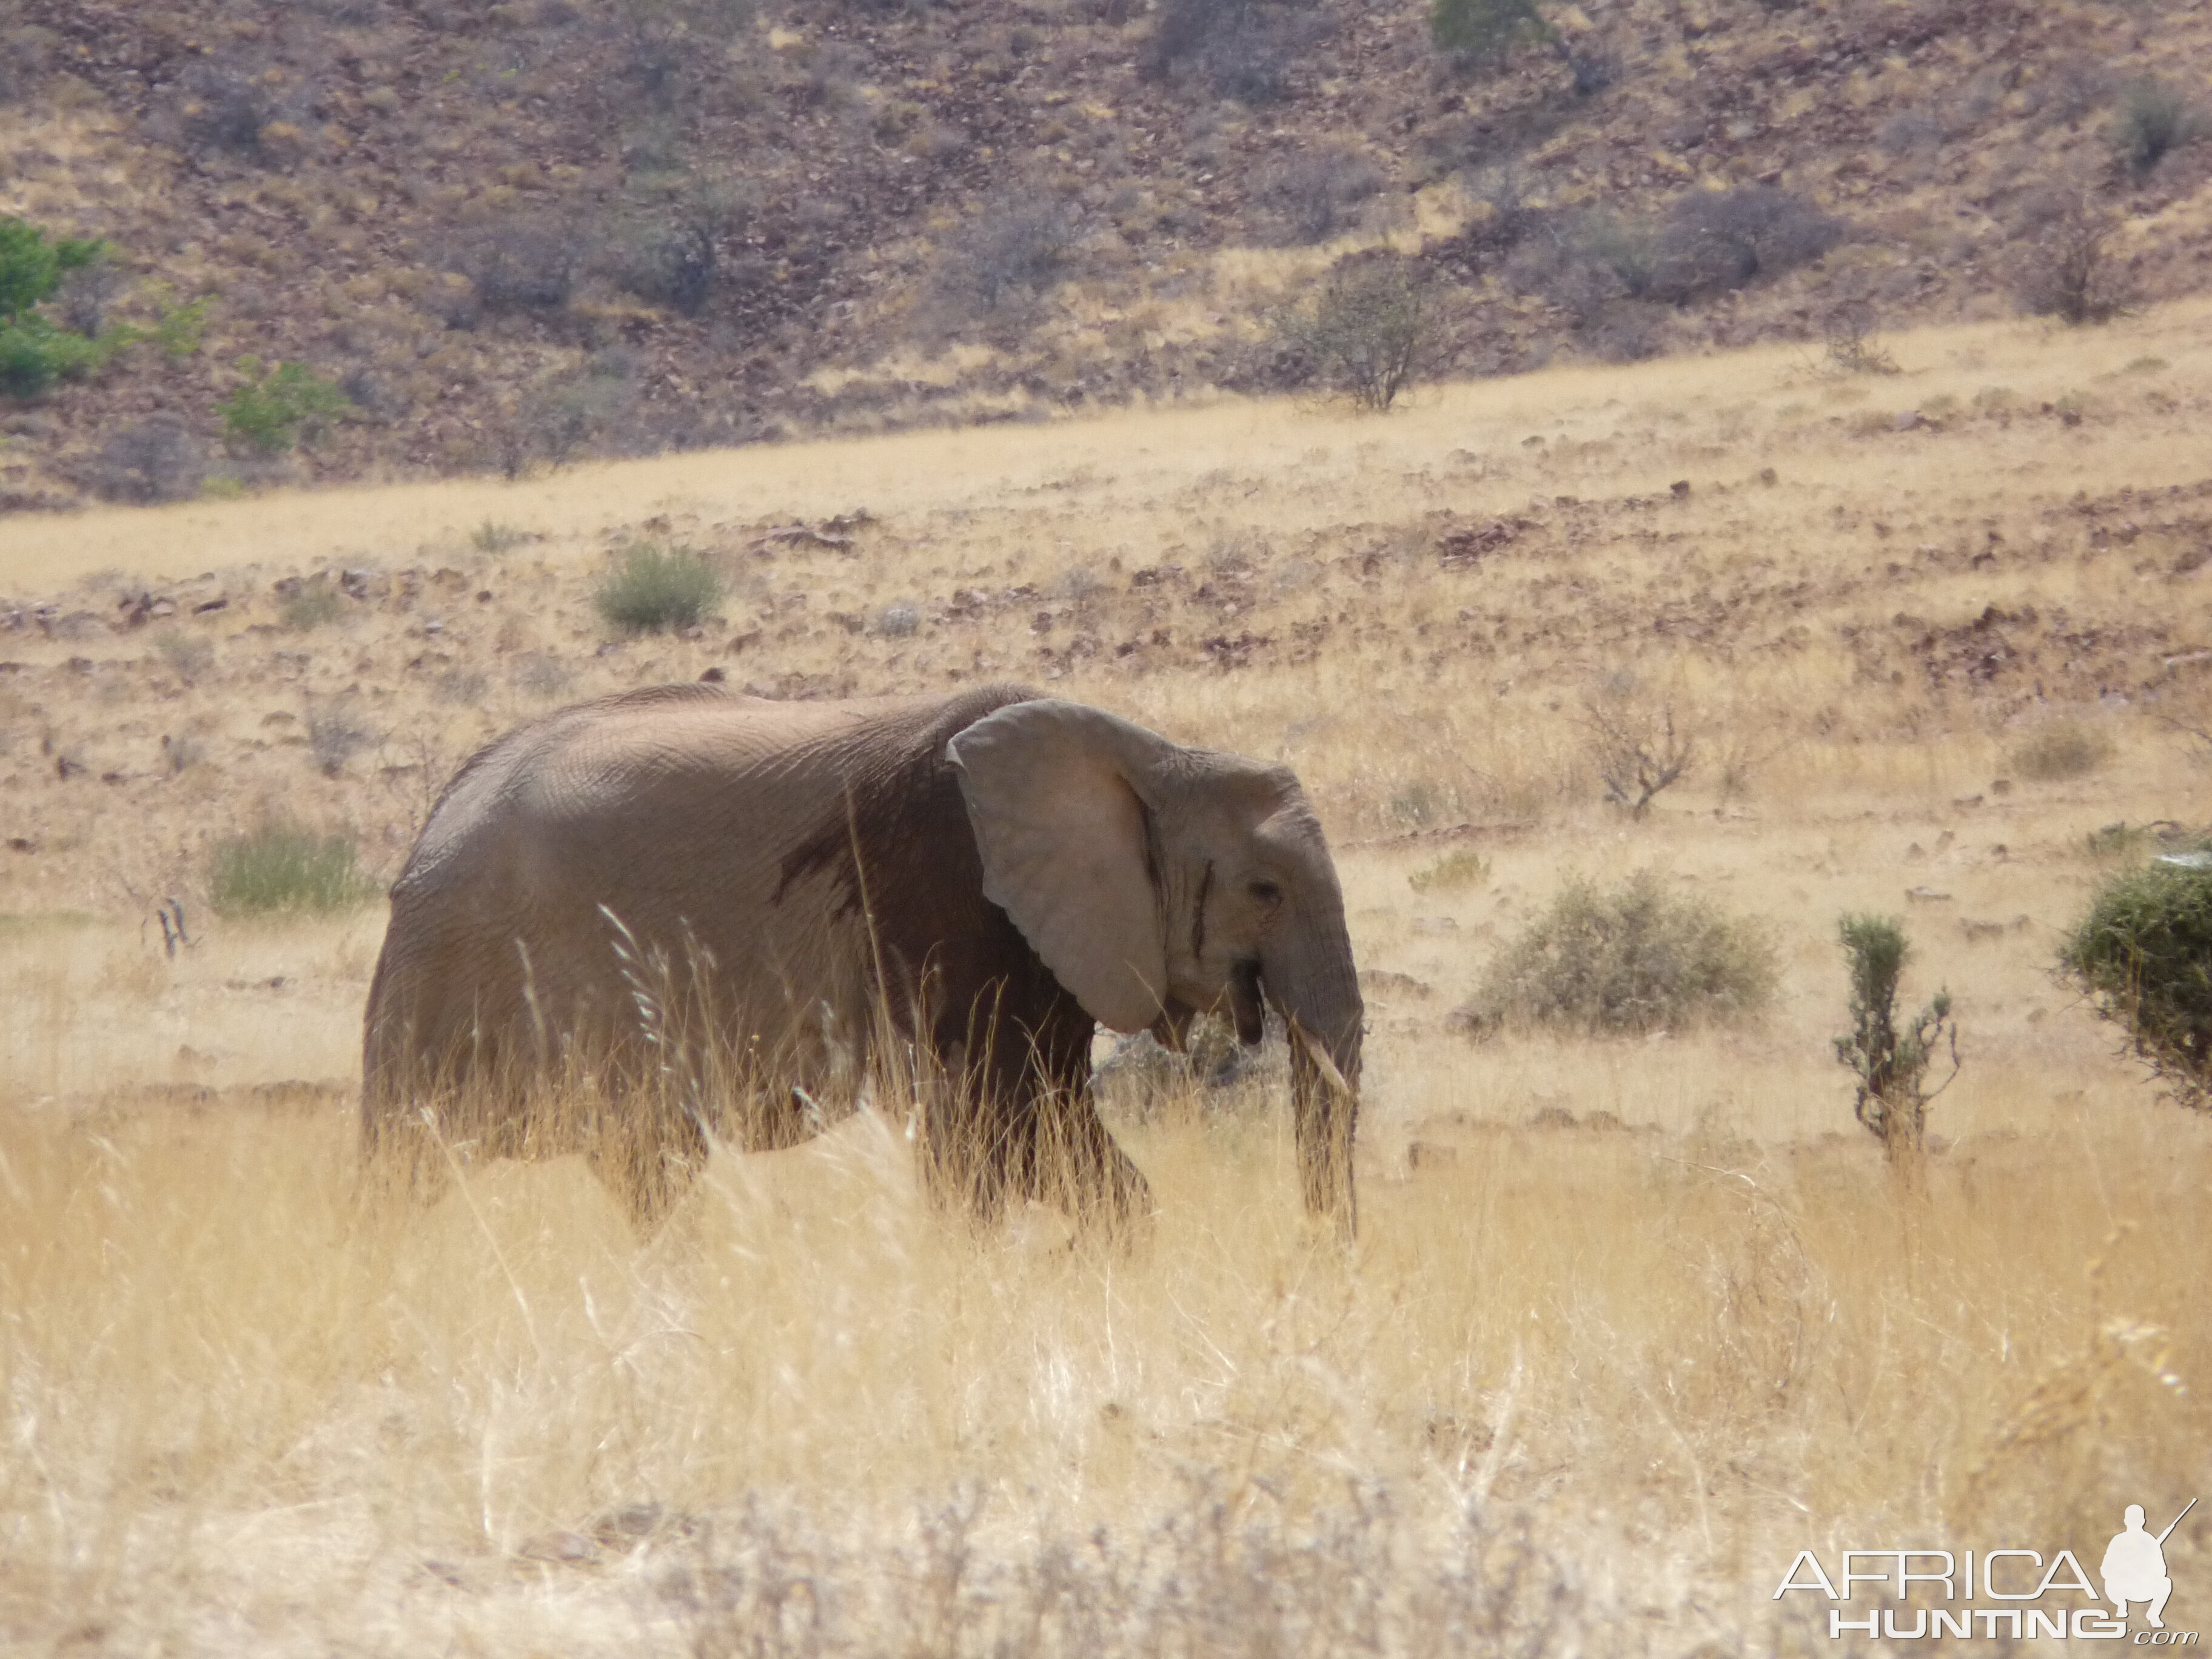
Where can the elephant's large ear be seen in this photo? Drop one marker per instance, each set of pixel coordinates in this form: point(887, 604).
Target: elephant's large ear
point(1051, 791)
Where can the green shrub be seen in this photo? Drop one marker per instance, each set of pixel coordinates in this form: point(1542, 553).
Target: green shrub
point(277, 407)
point(34, 352)
point(1633, 959)
point(2063, 749)
point(2143, 954)
point(653, 589)
point(283, 867)
point(31, 267)
point(1888, 1062)
point(2153, 118)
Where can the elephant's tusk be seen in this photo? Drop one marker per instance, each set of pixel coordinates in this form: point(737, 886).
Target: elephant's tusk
point(1322, 1063)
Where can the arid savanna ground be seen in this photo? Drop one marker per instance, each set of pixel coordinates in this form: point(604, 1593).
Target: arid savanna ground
point(1629, 1322)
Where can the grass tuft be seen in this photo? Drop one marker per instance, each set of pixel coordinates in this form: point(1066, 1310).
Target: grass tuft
point(652, 590)
point(283, 868)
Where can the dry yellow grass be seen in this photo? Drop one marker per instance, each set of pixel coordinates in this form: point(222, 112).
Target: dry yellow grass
point(1629, 1323)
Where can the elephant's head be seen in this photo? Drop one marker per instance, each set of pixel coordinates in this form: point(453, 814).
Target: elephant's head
point(1156, 882)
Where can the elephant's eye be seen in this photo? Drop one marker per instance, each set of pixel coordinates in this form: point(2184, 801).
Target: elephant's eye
point(1265, 892)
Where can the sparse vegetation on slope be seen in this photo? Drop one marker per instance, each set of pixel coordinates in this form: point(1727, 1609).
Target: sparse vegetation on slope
point(515, 235)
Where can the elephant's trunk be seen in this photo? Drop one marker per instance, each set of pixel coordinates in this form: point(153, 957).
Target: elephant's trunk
point(1317, 993)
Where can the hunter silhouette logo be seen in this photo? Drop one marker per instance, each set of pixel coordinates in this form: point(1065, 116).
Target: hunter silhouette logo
point(2132, 1571)
point(2135, 1566)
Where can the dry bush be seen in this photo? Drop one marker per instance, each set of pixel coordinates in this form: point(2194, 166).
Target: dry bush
point(1715, 241)
point(335, 733)
point(2063, 749)
point(1240, 49)
point(1638, 748)
point(1851, 344)
point(1314, 194)
point(516, 264)
point(1890, 1058)
point(2153, 119)
point(1632, 959)
point(1368, 332)
point(155, 459)
point(2069, 265)
point(188, 655)
point(1011, 251)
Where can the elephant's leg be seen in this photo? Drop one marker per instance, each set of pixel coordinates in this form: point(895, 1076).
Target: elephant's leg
point(1066, 1154)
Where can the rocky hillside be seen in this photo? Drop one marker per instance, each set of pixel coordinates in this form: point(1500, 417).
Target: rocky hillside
point(517, 234)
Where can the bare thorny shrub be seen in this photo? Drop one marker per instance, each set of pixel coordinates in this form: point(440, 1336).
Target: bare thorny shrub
point(2071, 266)
point(1639, 748)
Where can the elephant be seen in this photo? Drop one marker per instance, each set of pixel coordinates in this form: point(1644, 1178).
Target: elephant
point(724, 919)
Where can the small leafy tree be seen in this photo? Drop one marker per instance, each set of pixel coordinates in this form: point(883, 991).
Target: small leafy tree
point(34, 351)
point(277, 407)
point(1890, 1061)
point(1369, 330)
point(31, 267)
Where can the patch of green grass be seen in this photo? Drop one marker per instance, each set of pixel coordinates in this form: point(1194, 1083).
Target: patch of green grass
point(653, 589)
point(281, 868)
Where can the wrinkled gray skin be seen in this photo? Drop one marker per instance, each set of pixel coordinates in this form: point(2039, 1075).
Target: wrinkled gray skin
point(957, 888)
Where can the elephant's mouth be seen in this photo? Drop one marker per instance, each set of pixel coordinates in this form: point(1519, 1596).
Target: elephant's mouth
point(1244, 1002)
